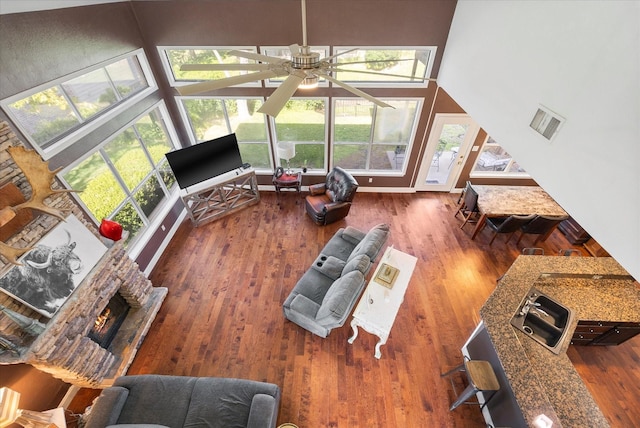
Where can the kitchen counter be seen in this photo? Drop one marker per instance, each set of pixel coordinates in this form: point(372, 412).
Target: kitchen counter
point(542, 382)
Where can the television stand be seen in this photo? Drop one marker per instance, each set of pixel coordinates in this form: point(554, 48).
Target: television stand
point(221, 195)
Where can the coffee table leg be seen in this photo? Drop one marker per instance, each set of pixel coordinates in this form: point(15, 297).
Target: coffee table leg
point(354, 327)
point(381, 342)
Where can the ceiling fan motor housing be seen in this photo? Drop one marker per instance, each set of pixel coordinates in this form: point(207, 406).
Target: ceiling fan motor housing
point(305, 59)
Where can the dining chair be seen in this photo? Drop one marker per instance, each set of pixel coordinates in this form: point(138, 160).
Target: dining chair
point(507, 225)
point(469, 205)
point(542, 226)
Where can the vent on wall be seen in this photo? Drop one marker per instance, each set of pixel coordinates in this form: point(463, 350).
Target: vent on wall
point(546, 123)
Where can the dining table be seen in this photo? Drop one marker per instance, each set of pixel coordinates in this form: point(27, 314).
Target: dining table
point(503, 201)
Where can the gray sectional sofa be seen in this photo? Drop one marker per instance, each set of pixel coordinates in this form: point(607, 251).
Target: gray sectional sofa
point(327, 292)
point(154, 401)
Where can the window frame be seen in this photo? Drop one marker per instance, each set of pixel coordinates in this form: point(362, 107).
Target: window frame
point(84, 127)
point(171, 195)
point(495, 174)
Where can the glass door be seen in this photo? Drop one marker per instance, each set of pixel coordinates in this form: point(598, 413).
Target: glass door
point(448, 145)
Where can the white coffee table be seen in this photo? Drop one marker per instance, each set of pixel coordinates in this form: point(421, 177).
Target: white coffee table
point(377, 309)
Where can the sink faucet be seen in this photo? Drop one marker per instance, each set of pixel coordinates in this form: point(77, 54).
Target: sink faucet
point(528, 306)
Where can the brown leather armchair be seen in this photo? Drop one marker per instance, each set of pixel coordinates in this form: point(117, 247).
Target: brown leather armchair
point(331, 201)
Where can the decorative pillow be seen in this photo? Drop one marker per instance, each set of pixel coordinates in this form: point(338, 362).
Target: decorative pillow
point(340, 295)
point(331, 195)
point(360, 263)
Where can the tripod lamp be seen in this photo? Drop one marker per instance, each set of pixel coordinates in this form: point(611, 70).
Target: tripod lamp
point(287, 151)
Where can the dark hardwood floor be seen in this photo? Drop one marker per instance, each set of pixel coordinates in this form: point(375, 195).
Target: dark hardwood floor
point(223, 316)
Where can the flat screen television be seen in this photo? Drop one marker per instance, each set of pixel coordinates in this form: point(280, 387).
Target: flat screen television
point(205, 160)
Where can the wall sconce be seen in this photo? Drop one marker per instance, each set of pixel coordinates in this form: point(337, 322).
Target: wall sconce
point(10, 413)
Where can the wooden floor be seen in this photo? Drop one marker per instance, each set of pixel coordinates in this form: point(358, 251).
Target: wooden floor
point(223, 316)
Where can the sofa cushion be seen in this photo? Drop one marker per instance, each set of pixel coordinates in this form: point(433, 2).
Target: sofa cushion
point(340, 296)
point(225, 402)
point(156, 399)
point(360, 263)
point(371, 243)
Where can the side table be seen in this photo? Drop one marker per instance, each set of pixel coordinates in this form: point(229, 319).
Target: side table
point(287, 181)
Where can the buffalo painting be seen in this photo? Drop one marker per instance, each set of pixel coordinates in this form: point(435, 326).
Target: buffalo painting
point(50, 272)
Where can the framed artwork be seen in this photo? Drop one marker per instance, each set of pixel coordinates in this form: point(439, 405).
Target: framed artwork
point(52, 270)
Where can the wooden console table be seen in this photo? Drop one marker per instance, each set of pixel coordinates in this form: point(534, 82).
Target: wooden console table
point(220, 196)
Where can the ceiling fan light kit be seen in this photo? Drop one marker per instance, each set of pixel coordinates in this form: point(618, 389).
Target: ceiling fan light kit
point(303, 71)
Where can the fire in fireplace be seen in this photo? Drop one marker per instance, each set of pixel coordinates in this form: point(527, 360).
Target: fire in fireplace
point(109, 321)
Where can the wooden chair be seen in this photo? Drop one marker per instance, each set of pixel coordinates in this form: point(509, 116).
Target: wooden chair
point(469, 205)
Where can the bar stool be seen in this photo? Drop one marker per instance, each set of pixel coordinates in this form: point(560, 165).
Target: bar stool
point(481, 378)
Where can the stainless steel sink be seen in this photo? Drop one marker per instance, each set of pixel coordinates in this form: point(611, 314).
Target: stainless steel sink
point(542, 319)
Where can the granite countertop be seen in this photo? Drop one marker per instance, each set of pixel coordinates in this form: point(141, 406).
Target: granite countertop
point(595, 288)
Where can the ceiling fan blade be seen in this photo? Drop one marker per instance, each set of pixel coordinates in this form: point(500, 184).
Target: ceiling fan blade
point(355, 91)
point(255, 56)
point(198, 88)
point(280, 96)
point(375, 73)
point(223, 67)
point(329, 58)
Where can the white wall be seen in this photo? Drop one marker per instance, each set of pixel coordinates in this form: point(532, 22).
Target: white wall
point(581, 59)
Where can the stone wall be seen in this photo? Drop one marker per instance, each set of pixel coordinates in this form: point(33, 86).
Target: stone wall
point(63, 349)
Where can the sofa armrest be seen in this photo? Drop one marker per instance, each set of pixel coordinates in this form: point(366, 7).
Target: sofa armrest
point(353, 235)
point(263, 412)
point(317, 189)
point(107, 407)
point(329, 266)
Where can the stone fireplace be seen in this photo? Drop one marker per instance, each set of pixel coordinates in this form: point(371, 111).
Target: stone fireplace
point(62, 346)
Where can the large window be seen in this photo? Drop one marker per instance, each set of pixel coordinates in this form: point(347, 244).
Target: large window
point(128, 178)
point(385, 66)
point(54, 115)
point(370, 138)
point(355, 134)
point(494, 161)
point(215, 117)
point(303, 122)
point(173, 58)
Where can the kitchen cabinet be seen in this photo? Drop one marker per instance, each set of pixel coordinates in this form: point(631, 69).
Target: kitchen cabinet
point(603, 333)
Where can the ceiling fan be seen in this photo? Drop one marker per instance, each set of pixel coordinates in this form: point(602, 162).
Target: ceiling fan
point(303, 70)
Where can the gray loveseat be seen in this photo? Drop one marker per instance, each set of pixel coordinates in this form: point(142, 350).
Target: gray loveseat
point(327, 292)
point(182, 401)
